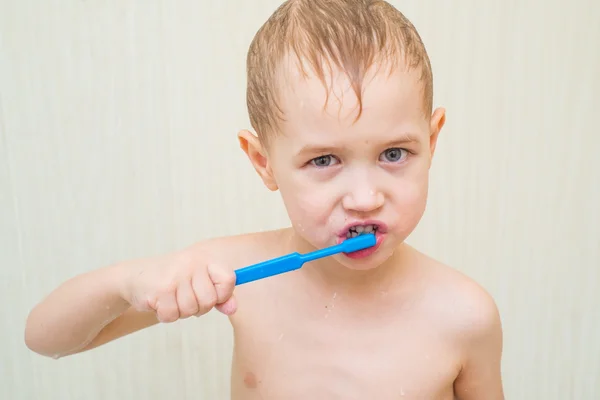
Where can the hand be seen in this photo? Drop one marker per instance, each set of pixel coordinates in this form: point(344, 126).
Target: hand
point(179, 286)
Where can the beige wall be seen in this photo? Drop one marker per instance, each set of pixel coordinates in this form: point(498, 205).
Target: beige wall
point(117, 139)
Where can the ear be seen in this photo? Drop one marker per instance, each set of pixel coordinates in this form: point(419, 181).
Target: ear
point(258, 157)
point(438, 119)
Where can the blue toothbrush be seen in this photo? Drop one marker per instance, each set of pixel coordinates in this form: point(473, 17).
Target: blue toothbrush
point(294, 261)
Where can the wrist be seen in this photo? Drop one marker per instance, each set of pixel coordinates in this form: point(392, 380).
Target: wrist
point(119, 276)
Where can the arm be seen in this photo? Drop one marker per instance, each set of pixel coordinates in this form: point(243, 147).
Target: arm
point(480, 377)
point(100, 306)
point(83, 313)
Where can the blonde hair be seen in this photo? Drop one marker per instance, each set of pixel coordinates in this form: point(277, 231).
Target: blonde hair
point(351, 34)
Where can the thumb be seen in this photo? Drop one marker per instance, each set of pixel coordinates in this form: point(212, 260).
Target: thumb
point(223, 280)
point(229, 307)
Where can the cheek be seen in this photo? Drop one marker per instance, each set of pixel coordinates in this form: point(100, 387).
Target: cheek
point(410, 203)
point(308, 208)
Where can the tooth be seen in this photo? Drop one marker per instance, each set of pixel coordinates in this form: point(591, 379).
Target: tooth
point(354, 234)
point(369, 228)
point(359, 229)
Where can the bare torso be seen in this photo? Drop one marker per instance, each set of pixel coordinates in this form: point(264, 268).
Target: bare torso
point(295, 340)
point(325, 353)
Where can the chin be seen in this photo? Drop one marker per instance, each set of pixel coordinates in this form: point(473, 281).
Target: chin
point(363, 264)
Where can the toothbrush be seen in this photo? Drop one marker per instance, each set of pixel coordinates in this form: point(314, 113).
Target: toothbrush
point(294, 261)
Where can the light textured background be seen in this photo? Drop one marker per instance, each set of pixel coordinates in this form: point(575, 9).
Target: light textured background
point(117, 139)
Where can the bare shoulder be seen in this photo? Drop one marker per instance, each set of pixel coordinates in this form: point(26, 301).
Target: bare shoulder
point(240, 250)
point(469, 309)
point(469, 316)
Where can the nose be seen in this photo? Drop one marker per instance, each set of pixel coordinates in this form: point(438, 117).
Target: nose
point(363, 197)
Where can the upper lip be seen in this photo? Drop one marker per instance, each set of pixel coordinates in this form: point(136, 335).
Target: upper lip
point(381, 227)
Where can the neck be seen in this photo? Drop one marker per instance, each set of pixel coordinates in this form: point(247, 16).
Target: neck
point(329, 273)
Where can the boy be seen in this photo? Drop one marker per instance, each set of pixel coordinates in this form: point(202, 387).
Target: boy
point(340, 95)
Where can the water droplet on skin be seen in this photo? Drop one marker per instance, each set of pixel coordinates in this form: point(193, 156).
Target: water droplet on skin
point(56, 356)
point(331, 305)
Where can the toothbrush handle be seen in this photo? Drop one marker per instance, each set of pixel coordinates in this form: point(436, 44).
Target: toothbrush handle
point(268, 268)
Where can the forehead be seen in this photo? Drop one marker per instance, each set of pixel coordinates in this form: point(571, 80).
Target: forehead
point(392, 100)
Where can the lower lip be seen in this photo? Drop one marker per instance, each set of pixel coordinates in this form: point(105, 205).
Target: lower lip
point(368, 251)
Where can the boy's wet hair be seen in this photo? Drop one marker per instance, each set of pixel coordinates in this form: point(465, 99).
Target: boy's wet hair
point(351, 35)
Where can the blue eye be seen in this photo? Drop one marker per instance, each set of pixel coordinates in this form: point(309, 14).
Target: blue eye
point(394, 154)
point(323, 161)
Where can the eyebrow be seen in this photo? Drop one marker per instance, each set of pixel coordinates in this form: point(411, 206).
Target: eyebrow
point(405, 138)
point(312, 149)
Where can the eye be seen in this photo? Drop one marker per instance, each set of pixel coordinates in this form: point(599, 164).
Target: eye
point(394, 154)
point(323, 161)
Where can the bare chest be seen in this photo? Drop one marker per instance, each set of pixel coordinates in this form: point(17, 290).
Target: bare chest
point(326, 358)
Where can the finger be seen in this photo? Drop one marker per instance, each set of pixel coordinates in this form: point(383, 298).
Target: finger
point(186, 300)
point(166, 308)
point(204, 291)
point(229, 307)
point(223, 280)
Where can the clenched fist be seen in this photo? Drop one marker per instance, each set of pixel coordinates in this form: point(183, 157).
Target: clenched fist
point(179, 286)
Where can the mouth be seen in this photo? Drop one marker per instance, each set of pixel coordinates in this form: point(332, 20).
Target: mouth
point(356, 230)
point(360, 228)
point(353, 230)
